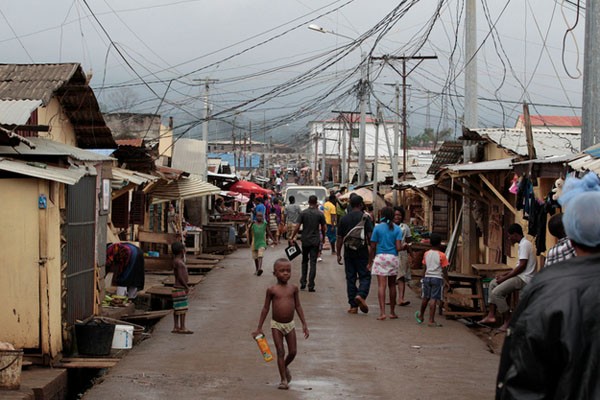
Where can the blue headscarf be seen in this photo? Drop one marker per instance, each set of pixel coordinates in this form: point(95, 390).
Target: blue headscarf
point(581, 219)
point(573, 187)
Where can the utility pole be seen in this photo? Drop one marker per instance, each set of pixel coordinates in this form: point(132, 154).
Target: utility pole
point(250, 142)
point(362, 134)
point(590, 131)
point(404, 75)
point(315, 163)
point(264, 147)
point(528, 132)
point(345, 157)
point(469, 229)
point(352, 115)
point(207, 83)
point(375, 194)
point(204, 171)
point(396, 135)
point(324, 162)
point(233, 143)
point(244, 151)
point(471, 66)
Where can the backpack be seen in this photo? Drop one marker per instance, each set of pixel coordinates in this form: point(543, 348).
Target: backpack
point(355, 238)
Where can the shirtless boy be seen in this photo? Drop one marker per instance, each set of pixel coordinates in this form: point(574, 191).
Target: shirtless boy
point(286, 300)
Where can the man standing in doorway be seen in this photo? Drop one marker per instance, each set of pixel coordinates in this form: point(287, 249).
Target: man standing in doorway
point(355, 261)
point(516, 279)
point(313, 226)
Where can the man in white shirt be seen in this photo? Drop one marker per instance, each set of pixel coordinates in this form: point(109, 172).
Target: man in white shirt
point(516, 279)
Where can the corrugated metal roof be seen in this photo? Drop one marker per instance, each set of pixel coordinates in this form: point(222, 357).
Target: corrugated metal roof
point(417, 183)
point(184, 188)
point(549, 160)
point(34, 81)
point(546, 143)
point(47, 147)
point(493, 165)
point(17, 112)
point(67, 82)
point(42, 171)
point(449, 153)
point(586, 163)
point(552, 120)
point(137, 178)
point(593, 150)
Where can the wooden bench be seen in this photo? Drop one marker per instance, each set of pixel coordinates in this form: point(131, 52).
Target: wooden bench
point(464, 305)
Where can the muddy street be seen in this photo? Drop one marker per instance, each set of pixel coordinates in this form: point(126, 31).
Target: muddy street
point(346, 356)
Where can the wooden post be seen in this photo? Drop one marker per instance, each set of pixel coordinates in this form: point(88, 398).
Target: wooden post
point(528, 132)
point(43, 272)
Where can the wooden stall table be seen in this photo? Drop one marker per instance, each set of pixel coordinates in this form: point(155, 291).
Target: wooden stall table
point(490, 270)
point(474, 306)
point(240, 222)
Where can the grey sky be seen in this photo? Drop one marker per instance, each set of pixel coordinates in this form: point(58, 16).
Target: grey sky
point(188, 40)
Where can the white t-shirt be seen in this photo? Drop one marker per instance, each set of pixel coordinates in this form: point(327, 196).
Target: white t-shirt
point(526, 253)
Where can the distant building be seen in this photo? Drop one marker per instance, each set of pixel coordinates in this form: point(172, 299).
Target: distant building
point(564, 124)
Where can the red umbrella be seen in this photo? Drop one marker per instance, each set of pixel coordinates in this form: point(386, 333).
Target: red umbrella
point(247, 187)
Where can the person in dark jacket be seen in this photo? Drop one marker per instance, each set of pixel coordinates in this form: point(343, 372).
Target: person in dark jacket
point(552, 346)
point(358, 275)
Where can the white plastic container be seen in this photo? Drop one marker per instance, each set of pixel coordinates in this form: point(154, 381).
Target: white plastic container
point(123, 338)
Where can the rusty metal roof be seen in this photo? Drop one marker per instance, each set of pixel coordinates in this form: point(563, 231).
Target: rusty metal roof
point(68, 83)
point(451, 152)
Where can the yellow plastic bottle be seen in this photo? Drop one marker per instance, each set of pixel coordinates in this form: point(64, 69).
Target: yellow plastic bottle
point(263, 345)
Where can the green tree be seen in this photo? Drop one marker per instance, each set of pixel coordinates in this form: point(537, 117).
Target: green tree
point(430, 138)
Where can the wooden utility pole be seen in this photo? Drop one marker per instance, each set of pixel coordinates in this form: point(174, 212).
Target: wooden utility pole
point(404, 75)
point(528, 132)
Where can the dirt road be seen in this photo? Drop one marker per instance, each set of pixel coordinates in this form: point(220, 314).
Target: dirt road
point(347, 356)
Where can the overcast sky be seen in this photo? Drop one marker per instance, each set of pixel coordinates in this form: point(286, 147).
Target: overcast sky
point(273, 72)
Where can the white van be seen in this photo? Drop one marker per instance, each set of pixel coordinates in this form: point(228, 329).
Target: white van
point(302, 193)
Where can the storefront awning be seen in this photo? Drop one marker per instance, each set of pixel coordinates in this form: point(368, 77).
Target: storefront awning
point(181, 189)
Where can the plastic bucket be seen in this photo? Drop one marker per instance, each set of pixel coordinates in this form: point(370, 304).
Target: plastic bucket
point(94, 338)
point(123, 337)
point(10, 368)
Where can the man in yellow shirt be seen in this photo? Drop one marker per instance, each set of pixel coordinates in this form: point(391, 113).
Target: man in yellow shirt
point(329, 210)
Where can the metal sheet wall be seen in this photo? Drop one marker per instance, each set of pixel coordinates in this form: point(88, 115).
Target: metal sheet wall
point(80, 249)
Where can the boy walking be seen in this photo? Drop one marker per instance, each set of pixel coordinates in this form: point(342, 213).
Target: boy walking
point(180, 289)
point(257, 234)
point(286, 300)
point(436, 273)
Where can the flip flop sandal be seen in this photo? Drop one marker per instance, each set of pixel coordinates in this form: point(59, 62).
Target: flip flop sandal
point(404, 303)
point(419, 321)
